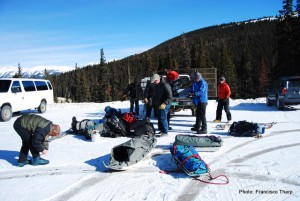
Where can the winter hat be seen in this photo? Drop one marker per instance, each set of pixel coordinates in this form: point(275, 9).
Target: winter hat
point(55, 130)
point(107, 109)
point(154, 77)
point(197, 75)
point(222, 78)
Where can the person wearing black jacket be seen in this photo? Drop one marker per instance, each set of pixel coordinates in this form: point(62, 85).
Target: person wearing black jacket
point(148, 99)
point(134, 90)
point(162, 98)
point(34, 131)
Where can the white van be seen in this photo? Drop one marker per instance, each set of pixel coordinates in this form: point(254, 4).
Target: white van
point(17, 94)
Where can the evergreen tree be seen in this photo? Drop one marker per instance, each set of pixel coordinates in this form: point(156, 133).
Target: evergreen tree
point(19, 73)
point(227, 69)
point(246, 87)
point(297, 7)
point(264, 80)
point(296, 38)
point(104, 80)
point(150, 69)
point(194, 56)
point(46, 74)
point(287, 10)
point(102, 57)
point(185, 55)
point(286, 40)
point(114, 83)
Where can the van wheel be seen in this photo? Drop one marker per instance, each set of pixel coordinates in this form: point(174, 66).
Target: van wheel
point(43, 107)
point(6, 113)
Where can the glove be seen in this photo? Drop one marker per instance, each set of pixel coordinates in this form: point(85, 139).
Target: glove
point(146, 101)
point(162, 106)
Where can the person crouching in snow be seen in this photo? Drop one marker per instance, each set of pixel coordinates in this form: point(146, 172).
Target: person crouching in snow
point(34, 131)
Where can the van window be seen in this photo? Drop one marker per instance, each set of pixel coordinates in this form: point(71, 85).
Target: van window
point(40, 85)
point(49, 85)
point(4, 85)
point(28, 85)
point(16, 87)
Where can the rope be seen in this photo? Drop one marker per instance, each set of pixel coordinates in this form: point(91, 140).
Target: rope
point(213, 178)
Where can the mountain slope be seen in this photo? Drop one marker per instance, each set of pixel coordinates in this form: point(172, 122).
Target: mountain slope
point(36, 72)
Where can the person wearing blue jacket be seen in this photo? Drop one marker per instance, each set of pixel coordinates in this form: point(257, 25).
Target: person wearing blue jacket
point(199, 91)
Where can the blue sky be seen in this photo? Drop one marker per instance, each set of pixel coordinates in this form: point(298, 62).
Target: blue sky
point(66, 32)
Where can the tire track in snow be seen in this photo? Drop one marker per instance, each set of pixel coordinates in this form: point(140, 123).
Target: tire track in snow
point(76, 189)
point(36, 172)
point(263, 151)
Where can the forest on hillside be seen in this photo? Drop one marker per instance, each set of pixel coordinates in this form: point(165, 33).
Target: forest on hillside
point(249, 54)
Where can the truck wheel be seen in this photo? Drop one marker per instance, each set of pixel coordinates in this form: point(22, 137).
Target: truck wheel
point(6, 113)
point(193, 111)
point(43, 107)
point(269, 103)
point(279, 104)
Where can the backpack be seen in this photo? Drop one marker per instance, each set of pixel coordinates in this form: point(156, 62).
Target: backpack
point(113, 127)
point(84, 127)
point(245, 129)
point(129, 117)
point(142, 127)
point(188, 160)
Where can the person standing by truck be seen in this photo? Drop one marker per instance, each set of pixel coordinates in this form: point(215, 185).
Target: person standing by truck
point(199, 92)
point(162, 98)
point(148, 99)
point(135, 92)
point(172, 78)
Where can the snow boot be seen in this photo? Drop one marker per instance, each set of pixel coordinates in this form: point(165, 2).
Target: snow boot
point(22, 164)
point(39, 161)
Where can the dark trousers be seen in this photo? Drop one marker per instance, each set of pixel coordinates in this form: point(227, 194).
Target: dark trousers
point(134, 101)
point(223, 103)
point(149, 109)
point(26, 142)
point(201, 117)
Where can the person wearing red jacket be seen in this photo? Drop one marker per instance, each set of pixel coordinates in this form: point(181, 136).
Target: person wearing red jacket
point(224, 93)
point(172, 78)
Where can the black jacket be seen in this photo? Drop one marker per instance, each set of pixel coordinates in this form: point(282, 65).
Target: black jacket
point(163, 94)
point(149, 90)
point(36, 126)
point(134, 90)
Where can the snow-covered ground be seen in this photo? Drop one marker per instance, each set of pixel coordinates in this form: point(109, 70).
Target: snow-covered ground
point(267, 168)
